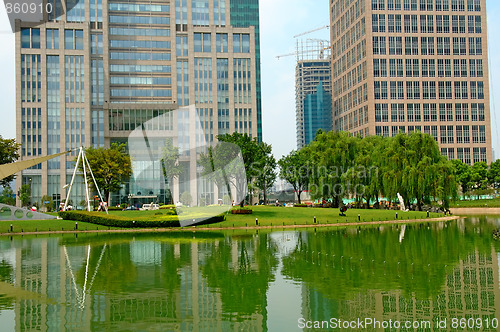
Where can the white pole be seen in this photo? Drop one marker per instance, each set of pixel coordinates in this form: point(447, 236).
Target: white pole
point(86, 183)
point(95, 182)
point(72, 180)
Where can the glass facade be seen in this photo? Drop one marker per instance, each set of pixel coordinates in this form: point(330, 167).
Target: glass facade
point(245, 13)
point(107, 67)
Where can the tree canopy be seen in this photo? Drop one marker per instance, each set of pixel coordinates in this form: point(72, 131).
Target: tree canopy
point(111, 167)
point(8, 154)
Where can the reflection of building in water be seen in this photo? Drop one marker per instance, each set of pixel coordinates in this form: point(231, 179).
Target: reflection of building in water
point(160, 287)
point(471, 290)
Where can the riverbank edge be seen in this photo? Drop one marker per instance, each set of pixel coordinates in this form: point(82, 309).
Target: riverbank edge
point(204, 229)
point(466, 211)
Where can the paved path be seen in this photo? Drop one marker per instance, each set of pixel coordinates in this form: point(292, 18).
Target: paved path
point(475, 211)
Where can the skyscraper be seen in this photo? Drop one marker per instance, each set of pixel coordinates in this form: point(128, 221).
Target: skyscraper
point(413, 65)
point(95, 72)
point(313, 98)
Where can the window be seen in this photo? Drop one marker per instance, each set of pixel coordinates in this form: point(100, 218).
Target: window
point(52, 38)
point(221, 42)
point(73, 39)
point(241, 43)
point(30, 38)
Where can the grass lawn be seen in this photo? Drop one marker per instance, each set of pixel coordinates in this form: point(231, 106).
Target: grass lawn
point(19, 226)
point(275, 216)
point(477, 203)
point(267, 216)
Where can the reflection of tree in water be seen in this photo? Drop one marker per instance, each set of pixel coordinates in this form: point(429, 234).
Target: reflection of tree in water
point(6, 273)
point(343, 263)
point(242, 289)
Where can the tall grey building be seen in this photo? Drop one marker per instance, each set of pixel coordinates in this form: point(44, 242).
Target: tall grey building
point(413, 65)
point(96, 70)
point(313, 89)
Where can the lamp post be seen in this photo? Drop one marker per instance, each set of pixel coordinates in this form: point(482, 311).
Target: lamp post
point(31, 191)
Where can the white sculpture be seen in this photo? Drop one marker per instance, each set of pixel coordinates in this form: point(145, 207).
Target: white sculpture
point(402, 203)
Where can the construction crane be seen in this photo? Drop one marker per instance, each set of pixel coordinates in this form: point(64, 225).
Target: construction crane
point(313, 30)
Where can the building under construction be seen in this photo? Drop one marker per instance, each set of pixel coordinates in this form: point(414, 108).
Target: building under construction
point(313, 89)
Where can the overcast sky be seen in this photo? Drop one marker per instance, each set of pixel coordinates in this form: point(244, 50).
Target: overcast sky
point(280, 21)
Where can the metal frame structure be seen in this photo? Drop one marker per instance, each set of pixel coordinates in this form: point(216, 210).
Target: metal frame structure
point(85, 164)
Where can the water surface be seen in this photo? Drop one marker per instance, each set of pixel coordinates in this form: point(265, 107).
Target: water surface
point(251, 280)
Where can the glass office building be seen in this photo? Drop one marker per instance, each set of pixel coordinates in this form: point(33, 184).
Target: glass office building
point(92, 74)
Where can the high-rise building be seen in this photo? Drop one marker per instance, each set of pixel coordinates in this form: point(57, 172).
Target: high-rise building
point(92, 74)
point(313, 98)
point(413, 65)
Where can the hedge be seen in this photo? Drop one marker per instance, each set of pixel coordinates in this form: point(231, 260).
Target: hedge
point(117, 221)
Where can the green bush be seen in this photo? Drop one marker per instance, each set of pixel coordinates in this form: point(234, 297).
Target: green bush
point(300, 205)
point(123, 222)
point(116, 221)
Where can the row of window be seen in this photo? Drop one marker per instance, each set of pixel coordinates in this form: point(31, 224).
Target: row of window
point(428, 5)
point(353, 56)
point(132, 19)
point(349, 15)
point(428, 90)
point(137, 44)
point(444, 45)
point(73, 38)
point(394, 24)
point(430, 112)
point(203, 42)
point(166, 56)
point(427, 68)
point(447, 134)
point(463, 154)
point(137, 80)
point(139, 32)
point(130, 7)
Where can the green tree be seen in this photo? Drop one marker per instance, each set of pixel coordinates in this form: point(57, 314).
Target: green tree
point(265, 169)
point(186, 198)
point(25, 195)
point(494, 174)
point(249, 151)
point(49, 207)
point(8, 154)
point(413, 167)
point(8, 196)
point(170, 163)
point(112, 167)
point(479, 178)
point(222, 164)
point(331, 154)
point(294, 169)
point(364, 178)
point(463, 175)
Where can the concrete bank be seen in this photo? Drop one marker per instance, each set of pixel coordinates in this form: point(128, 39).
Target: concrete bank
point(197, 229)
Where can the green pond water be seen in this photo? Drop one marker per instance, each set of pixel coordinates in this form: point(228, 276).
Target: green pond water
point(443, 273)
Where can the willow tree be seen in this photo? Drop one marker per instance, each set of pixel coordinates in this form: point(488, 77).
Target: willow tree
point(412, 167)
point(331, 154)
point(364, 178)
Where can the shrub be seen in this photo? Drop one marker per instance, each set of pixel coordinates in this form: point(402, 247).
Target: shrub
point(118, 221)
point(300, 205)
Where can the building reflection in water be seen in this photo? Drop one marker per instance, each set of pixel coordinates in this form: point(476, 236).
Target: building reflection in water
point(217, 281)
point(188, 284)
